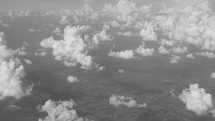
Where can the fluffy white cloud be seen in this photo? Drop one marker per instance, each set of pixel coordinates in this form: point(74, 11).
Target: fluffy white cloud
point(101, 36)
point(57, 31)
point(144, 51)
point(118, 100)
point(60, 111)
point(196, 99)
point(148, 33)
point(191, 56)
point(12, 72)
point(194, 24)
point(163, 50)
point(127, 54)
point(72, 49)
point(72, 79)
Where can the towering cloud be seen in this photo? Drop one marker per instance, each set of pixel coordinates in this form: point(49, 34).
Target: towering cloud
point(60, 111)
point(12, 72)
point(196, 99)
point(73, 49)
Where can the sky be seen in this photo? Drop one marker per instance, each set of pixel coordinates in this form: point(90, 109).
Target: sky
point(61, 4)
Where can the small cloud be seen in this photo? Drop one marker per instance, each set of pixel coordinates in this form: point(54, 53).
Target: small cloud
point(127, 54)
point(213, 75)
point(118, 100)
point(72, 79)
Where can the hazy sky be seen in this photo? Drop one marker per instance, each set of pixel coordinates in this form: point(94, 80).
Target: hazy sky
point(60, 4)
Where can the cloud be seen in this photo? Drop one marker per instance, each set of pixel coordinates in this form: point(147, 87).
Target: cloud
point(126, 34)
point(179, 50)
point(144, 51)
point(191, 56)
point(118, 100)
point(64, 20)
point(127, 54)
point(213, 75)
point(60, 111)
point(101, 36)
point(73, 49)
point(12, 72)
point(163, 50)
point(148, 33)
point(28, 61)
point(206, 54)
point(121, 70)
point(196, 99)
point(174, 59)
point(72, 79)
point(125, 10)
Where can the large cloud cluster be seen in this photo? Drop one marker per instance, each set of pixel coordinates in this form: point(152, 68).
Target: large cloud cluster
point(12, 72)
point(118, 100)
point(196, 99)
point(72, 49)
point(60, 111)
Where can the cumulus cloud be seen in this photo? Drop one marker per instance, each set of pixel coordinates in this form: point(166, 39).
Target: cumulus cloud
point(191, 56)
point(127, 54)
point(148, 33)
point(57, 31)
point(206, 54)
point(101, 36)
point(73, 49)
point(72, 79)
point(118, 100)
point(144, 51)
point(174, 59)
point(41, 52)
point(163, 50)
point(213, 75)
point(196, 99)
point(194, 24)
point(60, 111)
point(12, 72)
